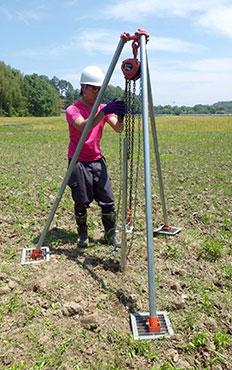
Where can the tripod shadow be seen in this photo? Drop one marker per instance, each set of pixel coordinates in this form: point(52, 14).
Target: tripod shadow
point(56, 238)
point(114, 266)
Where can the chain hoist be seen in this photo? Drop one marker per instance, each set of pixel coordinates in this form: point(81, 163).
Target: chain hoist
point(131, 69)
point(129, 166)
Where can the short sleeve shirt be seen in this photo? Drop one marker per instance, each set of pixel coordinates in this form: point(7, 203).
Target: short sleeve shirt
point(91, 150)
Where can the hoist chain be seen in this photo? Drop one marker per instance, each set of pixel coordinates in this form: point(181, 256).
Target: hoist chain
point(130, 120)
point(127, 99)
point(139, 121)
point(130, 93)
point(128, 115)
point(120, 177)
point(131, 144)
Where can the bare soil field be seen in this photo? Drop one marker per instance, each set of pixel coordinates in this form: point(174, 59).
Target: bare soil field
point(73, 312)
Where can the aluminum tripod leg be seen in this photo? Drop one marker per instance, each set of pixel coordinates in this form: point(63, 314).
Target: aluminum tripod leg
point(166, 228)
point(147, 178)
point(155, 324)
point(124, 206)
point(26, 257)
point(156, 149)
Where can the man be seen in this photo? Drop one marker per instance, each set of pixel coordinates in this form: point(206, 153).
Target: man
point(89, 180)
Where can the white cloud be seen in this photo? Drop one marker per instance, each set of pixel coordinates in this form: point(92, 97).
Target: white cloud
point(169, 44)
point(105, 42)
point(190, 82)
point(88, 41)
point(99, 41)
point(210, 14)
point(218, 19)
point(215, 65)
point(102, 41)
point(128, 10)
point(27, 15)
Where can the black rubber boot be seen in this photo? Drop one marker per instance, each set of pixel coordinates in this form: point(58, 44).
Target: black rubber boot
point(109, 223)
point(81, 220)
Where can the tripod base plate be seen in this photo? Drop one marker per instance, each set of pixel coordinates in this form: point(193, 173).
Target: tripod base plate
point(33, 256)
point(167, 230)
point(140, 327)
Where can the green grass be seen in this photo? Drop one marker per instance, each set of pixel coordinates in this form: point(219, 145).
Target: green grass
point(193, 269)
point(212, 249)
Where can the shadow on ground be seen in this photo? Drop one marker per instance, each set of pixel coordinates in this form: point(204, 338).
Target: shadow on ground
point(57, 238)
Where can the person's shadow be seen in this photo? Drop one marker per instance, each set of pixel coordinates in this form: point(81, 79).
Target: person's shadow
point(57, 238)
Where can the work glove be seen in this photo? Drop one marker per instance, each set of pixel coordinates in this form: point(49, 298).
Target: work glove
point(115, 106)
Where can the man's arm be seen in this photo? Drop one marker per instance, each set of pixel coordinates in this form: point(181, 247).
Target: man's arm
point(80, 122)
point(114, 106)
point(116, 123)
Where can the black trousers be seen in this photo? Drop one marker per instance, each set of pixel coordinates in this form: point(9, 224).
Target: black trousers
point(90, 181)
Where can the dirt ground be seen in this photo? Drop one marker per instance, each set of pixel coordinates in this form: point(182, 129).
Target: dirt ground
point(73, 312)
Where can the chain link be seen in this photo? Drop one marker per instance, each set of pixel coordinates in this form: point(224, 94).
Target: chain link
point(120, 177)
point(137, 174)
point(131, 145)
point(130, 121)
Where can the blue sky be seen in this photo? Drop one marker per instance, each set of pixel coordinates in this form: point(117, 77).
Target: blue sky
point(190, 47)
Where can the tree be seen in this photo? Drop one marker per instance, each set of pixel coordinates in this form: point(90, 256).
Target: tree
point(12, 100)
point(71, 96)
point(167, 109)
point(55, 82)
point(176, 110)
point(66, 91)
point(201, 109)
point(64, 86)
point(42, 97)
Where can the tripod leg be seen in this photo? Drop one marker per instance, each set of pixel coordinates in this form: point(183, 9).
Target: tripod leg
point(156, 148)
point(166, 228)
point(81, 142)
point(79, 146)
point(147, 178)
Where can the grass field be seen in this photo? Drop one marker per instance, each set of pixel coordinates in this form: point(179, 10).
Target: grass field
point(73, 312)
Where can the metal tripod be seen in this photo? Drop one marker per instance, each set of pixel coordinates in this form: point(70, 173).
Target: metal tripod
point(153, 324)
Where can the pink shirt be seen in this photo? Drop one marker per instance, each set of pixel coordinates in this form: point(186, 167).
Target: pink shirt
point(91, 150)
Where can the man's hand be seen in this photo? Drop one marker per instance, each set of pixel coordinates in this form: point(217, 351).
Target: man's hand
point(120, 117)
point(115, 106)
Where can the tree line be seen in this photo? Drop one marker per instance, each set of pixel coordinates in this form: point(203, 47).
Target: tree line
point(34, 95)
point(216, 108)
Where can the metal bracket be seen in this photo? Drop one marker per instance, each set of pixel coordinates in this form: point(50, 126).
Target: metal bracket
point(34, 256)
point(167, 230)
point(128, 229)
point(140, 327)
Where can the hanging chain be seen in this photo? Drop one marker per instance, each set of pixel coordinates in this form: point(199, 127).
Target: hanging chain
point(128, 115)
point(132, 130)
point(137, 173)
point(131, 120)
point(138, 158)
point(127, 125)
point(120, 177)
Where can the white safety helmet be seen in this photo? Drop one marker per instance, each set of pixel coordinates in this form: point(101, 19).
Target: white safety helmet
point(92, 75)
